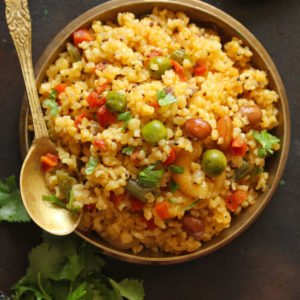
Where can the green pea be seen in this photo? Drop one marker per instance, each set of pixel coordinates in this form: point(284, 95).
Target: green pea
point(158, 65)
point(214, 162)
point(180, 55)
point(154, 131)
point(116, 102)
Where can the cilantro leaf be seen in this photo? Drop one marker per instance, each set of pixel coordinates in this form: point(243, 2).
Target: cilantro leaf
point(52, 105)
point(126, 117)
point(173, 186)
point(267, 141)
point(69, 268)
point(91, 165)
point(11, 206)
point(165, 98)
point(53, 95)
point(129, 288)
point(192, 204)
point(176, 169)
point(78, 293)
point(128, 150)
point(71, 205)
point(54, 200)
point(149, 177)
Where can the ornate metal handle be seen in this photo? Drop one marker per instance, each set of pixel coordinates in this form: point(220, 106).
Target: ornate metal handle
point(19, 24)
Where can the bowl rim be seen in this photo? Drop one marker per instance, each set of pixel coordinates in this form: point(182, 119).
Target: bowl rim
point(247, 36)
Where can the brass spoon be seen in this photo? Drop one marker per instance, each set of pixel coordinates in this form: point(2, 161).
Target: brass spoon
point(53, 219)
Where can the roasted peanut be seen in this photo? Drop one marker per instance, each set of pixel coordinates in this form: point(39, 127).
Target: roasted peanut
point(193, 226)
point(253, 114)
point(197, 128)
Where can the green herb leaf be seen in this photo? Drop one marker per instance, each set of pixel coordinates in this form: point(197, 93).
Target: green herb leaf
point(192, 204)
point(173, 186)
point(125, 116)
point(11, 206)
point(91, 165)
point(128, 150)
point(267, 141)
point(78, 293)
point(173, 201)
point(176, 169)
point(70, 206)
point(131, 289)
point(149, 177)
point(53, 95)
point(54, 200)
point(52, 104)
point(69, 268)
point(165, 98)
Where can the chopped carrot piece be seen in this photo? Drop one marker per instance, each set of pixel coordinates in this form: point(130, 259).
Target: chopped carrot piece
point(238, 147)
point(200, 70)
point(154, 104)
point(100, 89)
point(79, 119)
point(100, 144)
point(234, 200)
point(48, 161)
point(60, 88)
point(162, 210)
point(179, 70)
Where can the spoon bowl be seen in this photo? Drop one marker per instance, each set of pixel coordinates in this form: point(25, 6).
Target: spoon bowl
point(52, 218)
point(55, 220)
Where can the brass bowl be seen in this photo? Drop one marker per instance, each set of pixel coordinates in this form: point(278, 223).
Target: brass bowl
point(205, 15)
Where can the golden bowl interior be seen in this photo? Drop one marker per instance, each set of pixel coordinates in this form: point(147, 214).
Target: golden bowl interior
point(204, 15)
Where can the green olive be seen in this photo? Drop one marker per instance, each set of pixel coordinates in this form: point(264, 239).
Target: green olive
point(180, 55)
point(115, 101)
point(158, 65)
point(214, 162)
point(154, 131)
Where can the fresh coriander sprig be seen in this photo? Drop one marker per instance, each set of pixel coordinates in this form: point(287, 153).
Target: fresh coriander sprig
point(267, 142)
point(165, 98)
point(11, 206)
point(149, 177)
point(69, 268)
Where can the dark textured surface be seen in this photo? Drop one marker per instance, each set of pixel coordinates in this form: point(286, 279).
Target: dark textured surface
point(264, 263)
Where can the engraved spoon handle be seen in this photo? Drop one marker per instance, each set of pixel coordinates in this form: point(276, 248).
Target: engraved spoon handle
point(19, 24)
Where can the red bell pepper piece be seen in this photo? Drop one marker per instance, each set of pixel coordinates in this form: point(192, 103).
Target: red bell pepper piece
point(82, 35)
point(105, 117)
point(171, 158)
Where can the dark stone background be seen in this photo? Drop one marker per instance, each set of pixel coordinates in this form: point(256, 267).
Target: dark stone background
point(263, 263)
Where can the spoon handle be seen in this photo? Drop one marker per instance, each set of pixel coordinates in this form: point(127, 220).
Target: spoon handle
point(19, 24)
